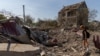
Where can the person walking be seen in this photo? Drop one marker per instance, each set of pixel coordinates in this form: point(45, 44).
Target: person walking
point(85, 36)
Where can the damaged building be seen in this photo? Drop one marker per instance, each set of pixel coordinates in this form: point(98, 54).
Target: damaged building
point(73, 15)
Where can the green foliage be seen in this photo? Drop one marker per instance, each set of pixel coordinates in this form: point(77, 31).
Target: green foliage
point(29, 20)
point(94, 25)
point(47, 23)
point(2, 17)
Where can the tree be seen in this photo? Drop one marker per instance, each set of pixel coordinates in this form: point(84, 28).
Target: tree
point(92, 23)
point(7, 13)
point(28, 20)
point(2, 17)
point(47, 23)
point(92, 14)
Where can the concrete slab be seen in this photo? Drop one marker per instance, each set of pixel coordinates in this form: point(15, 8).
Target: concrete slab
point(18, 47)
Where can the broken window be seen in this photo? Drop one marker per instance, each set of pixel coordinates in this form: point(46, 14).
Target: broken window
point(71, 13)
point(63, 14)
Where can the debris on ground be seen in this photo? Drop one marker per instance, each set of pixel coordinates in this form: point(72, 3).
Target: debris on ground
point(54, 42)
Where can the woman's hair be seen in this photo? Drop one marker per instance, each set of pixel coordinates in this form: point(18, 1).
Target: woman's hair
point(82, 27)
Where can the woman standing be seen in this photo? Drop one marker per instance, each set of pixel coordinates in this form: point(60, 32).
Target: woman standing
point(85, 37)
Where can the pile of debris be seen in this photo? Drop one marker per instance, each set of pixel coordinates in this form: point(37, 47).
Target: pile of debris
point(54, 42)
point(70, 44)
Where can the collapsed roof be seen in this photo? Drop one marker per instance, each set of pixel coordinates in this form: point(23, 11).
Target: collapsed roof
point(72, 7)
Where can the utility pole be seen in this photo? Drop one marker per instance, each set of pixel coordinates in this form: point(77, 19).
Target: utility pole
point(24, 13)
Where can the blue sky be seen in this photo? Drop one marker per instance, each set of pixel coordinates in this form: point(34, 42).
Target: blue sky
point(43, 8)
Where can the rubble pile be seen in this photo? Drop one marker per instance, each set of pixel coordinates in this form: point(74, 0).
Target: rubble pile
point(68, 43)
